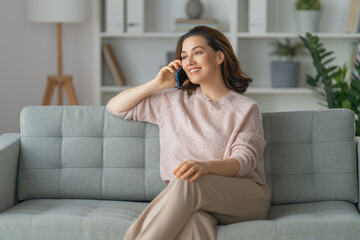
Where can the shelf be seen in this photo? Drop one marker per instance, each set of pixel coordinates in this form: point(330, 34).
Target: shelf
point(270, 90)
point(147, 35)
point(240, 35)
point(296, 35)
point(141, 35)
point(251, 90)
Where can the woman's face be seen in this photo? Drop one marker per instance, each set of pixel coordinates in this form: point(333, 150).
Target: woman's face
point(200, 62)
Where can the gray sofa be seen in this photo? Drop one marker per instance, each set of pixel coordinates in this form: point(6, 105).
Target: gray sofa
point(77, 172)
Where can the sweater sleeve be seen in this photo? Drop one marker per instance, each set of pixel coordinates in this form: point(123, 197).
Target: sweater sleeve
point(149, 109)
point(249, 143)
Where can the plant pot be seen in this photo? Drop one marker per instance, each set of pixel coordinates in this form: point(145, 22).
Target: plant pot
point(285, 74)
point(308, 20)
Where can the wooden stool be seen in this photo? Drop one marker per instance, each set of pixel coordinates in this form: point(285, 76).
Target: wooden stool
point(59, 81)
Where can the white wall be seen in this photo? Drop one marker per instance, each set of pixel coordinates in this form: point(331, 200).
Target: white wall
point(28, 54)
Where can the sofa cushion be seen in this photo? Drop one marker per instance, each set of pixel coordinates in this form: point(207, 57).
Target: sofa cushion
point(311, 156)
point(69, 219)
point(85, 152)
point(94, 219)
point(329, 220)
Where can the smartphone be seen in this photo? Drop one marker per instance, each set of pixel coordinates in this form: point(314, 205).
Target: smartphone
point(180, 77)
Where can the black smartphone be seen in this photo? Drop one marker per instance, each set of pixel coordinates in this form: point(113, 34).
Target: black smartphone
point(180, 77)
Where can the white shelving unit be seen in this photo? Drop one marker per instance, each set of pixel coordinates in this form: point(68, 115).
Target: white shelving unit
point(141, 55)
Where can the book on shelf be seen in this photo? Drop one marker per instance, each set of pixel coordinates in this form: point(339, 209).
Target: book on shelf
point(353, 17)
point(114, 16)
point(257, 22)
point(184, 25)
point(135, 15)
point(113, 65)
point(354, 56)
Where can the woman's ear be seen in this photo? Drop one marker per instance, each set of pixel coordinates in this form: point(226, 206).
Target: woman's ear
point(220, 57)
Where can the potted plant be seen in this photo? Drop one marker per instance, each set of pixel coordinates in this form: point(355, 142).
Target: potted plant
point(285, 71)
point(333, 83)
point(308, 15)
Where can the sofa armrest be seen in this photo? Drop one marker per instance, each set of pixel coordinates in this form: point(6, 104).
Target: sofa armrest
point(358, 165)
point(9, 158)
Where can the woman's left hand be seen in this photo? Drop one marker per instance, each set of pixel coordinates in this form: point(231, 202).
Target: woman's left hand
point(191, 167)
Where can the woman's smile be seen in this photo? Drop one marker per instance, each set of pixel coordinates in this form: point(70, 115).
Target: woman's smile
point(194, 70)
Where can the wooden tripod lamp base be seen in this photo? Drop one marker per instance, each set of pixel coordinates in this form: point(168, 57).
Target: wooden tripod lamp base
point(60, 82)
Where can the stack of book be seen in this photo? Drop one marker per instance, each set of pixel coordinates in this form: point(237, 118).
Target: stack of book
point(184, 25)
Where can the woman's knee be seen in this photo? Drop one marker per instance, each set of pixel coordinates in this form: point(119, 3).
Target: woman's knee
point(203, 216)
point(201, 181)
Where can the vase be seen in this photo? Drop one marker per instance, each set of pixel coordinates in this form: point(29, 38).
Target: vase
point(308, 20)
point(284, 74)
point(194, 9)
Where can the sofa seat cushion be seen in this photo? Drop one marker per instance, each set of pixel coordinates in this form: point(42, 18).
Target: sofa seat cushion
point(318, 220)
point(105, 220)
point(69, 219)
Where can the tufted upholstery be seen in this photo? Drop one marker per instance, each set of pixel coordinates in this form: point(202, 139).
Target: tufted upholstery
point(75, 219)
point(311, 156)
point(94, 219)
point(84, 152)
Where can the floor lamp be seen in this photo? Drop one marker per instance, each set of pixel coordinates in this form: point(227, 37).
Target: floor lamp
point(59, 11)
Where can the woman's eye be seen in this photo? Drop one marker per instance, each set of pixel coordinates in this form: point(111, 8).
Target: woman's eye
point(198, 53)
point(183, 57)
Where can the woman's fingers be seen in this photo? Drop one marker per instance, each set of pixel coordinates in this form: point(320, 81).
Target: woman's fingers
point(177, 168)
point(190, 171)
point(178, 61)
point(171, 69)
point(175, 64)
point(196, 176)
point(191, 168)
point(186, 169)
point(179, 171)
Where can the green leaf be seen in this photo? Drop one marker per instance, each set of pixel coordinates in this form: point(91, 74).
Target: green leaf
point(308, 35)
point(341, 85)
point(330, 69)
point(329, 60)
point(352, 93)
point(355, 84)
point(346, 104)
point(311, 81)
point(321, 50)
point(326, 54)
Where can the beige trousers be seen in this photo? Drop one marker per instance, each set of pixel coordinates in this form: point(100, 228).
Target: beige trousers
point(191, 210)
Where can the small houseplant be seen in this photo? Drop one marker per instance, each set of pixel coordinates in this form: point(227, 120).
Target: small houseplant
point(285, 71)
point(308, 15)
point(332, 83)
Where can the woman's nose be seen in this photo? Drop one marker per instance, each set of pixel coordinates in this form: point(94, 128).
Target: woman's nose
point(191, 60)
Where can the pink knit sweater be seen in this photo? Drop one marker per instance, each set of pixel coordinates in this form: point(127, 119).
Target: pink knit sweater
point(198, 128)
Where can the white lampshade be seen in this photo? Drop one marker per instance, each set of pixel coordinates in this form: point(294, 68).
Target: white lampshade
point(58, 10)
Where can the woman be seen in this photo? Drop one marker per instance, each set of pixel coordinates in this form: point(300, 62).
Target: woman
point(211, 141)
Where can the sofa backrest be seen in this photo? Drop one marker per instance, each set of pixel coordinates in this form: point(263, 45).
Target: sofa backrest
point(311, 156)
point(84, 152)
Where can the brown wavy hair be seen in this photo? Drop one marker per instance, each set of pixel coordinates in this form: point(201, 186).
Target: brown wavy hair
point(233, 76)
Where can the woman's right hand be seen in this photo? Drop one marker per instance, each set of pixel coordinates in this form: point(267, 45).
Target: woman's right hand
point(166, 76)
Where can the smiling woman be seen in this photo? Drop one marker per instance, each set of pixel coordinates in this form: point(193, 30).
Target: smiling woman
point(221, 137)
